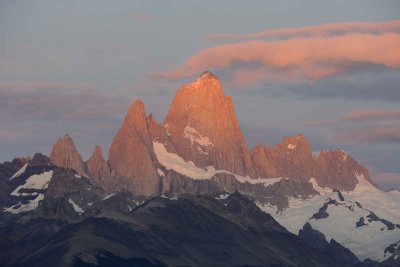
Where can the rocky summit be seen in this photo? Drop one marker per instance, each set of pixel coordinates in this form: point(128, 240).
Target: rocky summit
point(204, 129)
point(65, 154)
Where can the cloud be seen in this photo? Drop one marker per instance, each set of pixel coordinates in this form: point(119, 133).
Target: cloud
point(141, 16)
point(54, 101)
point(388, 134)
point(367, 114)
point(362, 115)
point(251, 62)
point(44, 85)
point(322, 30)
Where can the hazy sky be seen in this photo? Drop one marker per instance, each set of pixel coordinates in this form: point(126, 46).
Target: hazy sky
point(327, 69)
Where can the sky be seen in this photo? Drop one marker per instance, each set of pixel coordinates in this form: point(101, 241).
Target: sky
point(327, 69)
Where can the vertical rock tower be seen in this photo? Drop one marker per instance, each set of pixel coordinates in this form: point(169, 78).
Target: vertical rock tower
point(204, 129)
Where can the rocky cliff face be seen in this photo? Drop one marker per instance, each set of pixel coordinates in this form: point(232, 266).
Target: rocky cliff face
point(131, 157)
point(98, 169)
point(201, 127)
point(204, 129)
point(336, 169)
point(65, 154)
point(293, 159)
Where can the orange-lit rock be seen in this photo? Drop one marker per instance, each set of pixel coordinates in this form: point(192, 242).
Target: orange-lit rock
point(99, 171)
point(204, 129)
point(336, 169)
point(131, 157)
point(64, 154)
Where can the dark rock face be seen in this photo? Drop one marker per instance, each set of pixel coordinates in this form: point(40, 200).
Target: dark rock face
point(361, 222)
point(276, 194)
point(340, 196)
point(39, 159)
point(373, 217)
point(316, 239)
point(322, 214)
point(186, 231)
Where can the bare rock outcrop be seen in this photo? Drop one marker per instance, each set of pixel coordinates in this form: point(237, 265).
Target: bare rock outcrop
point(204, 129)
point(292, 158)
point(99, 170)
point(131, 157)
point(337, 170)
point(65, 155)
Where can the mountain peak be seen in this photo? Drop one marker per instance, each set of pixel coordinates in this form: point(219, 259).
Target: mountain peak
point(97, 152)
point(295, 143)
point(64, 154)
point(201, 111)
point(137, 107)
point(98, 167)
point(136, 116)
point(208, 75)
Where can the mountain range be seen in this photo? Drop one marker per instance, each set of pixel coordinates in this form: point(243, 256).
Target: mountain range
point(189, 192)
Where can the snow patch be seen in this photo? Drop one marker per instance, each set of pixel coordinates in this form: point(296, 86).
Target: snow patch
point(31, 205)
point(36, 181)
point(19, 172)
point(291, 146)
point(77, 176)
point(222, 196)
point(320, 190)
point(174, 162)
point(344, 156)
point(108, 196)
point(77, 209)
point(160, 172)
point(195, 137)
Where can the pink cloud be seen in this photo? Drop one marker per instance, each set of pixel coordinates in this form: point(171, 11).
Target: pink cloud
point(321, 30)
point(299, 58)
point(367, 135)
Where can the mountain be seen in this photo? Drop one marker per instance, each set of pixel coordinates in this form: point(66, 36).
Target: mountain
point(98, 169)
point(204, 129)
point(365, 220)
point(131, 156)
point(170, 192)
point(65, 154)
point(337, 169)
point(75, 226)
point(293, 159)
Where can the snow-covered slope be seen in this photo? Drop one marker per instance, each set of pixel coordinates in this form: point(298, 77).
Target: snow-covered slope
point(174, 162)
point(28, 195)
point(366, 220)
